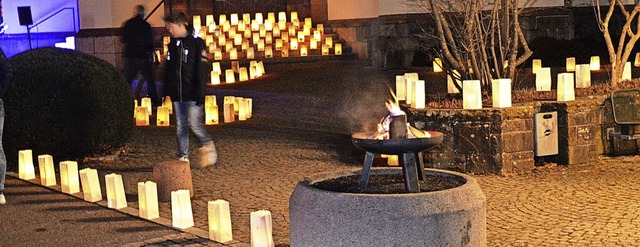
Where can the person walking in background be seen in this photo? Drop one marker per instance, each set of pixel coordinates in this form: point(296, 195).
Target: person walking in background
point(5, 80)
point(185, 85)
point(138, 45)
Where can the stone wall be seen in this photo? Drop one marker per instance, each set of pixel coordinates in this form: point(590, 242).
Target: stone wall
point(502, 140)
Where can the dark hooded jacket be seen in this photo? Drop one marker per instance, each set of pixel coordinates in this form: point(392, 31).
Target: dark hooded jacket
point(5, 74)
point(184, 70)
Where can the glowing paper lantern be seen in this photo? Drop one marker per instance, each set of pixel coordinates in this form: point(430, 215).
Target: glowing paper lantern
point(571, 64)
point(209, 20)
point(229, 113)
point(261, 70)
point(278, 44)
point(537, 64)
point(47, 172)
point(217, 54)
point(282, 16)
point(255, 26)
point(437, 65)
point(247, 33)
point(246, 17)
point(209, 40)
point(595, 63)
point(162, 116)
point(252, 72)
point(268, 39)
point(566, 91)
point(392, 160)
point(222, 40)
point(501, 92)
point(69, 179)
point(242, 109)
point(292, 31)
point(181, 213)
point(313, 44)
point(543, 79)
point(626, 72)
point(219, 221)
point(306, 30)
point(197, 22)
point(285, 37)
point(294, 16)
point(259, 18)
point(245, 44)
point(271, 17)
point(636, 62)
point(320, 27)
point(255, 38)
point(453, 79)
point(148, 200)
point(250, 53)
point(268, 52)
point(261, 45)
point(90, 185)
point(282, 25)
point(211, 114)
point(328, 41)
point(471, 94)
point(26, 170)
point(401, 90)
point(249, 103)
point(244, 75)
point(583, 76)
point(284, 52)
point(116, 197)
point(237, 39)
point(276, 31)
point(146, 102)
point(301, 37)
point(304, 51)
point(338, 49)
point(222, 19)
point(419, 100)
point(210, 100)
point(261, 229)
point(233, 54)
point(325, 50)
point(317, 35)
point(410, 79)
point(142, 116)
point(167, 103)
point(236, 104)
point(215, 77)
point(234, 19)
point(229, 76)
point(293, 45)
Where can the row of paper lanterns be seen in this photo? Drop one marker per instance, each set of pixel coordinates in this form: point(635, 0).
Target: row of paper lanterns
point(254, 71)
point(73, 181)
point(233, 107)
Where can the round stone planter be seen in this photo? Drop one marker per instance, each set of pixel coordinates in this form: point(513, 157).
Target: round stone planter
point(451, 217)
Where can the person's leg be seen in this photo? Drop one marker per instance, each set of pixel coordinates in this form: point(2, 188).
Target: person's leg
point(181, 110)
point(207, 149)
point(3, 158)
point(147, 74)
point(138, 67)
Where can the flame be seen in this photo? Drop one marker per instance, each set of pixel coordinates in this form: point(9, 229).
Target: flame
point(393, 105)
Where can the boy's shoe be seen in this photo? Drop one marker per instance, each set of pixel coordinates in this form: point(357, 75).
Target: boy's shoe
point(208, 155)
point(184, 158)
point(2, 199)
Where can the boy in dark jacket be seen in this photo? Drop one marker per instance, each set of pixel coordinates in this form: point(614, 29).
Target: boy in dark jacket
point(185, 85)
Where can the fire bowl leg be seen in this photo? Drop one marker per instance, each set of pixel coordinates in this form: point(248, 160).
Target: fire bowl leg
point(366, 168)
point(410, 170)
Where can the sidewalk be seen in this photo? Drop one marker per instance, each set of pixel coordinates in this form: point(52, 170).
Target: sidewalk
point(302, 119)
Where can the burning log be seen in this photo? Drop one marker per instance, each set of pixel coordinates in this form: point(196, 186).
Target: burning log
point(395, 126)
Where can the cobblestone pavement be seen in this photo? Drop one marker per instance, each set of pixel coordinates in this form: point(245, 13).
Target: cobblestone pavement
point(302, 120)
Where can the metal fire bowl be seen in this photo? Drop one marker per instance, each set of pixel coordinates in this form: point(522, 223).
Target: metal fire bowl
point(395, 146)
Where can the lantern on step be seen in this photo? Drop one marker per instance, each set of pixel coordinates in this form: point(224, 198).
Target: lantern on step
point(142, 116)
point(211, 114)
point(278, 44)
point(271, 17)
point(215, 77)
point(595, 63)
point(26, 170)
point(566, 91)
point(276, 31)
point(234, 19)
point(583, 76)
point(501, 92)
point(328, 41)
point(237, 39)
point(229, 113)
point(636, 62)
point(230, 76)
point(471, 94)
point(247, 33)
point(69, 179)
point(251, 53)
point(313, 44)
point(210, 100)
point(437, 65)
point(294, 16)
point(285, 37)
point(168, 104)
point(419, 98)
point(181, 213)
point(536, 64)
point(222, 19)
point(148, 200)
point(626, 72)
point(268, 39)
point(282, 25)
point(146, 102)
point(116, 197)
point(162, 116)
point(217, 54)
point(338, 49)
point(219, 221)
point(293, 44)
point(268, 52)
point(400, 88)
point(222, 40)
point(325, 50)
point(47, 172)
point(543, 79)
point(90, 185)
point(571, 64)
point(259, 18)
point(320, 27)
point(285, 51)
point(246, 17)
point(282, 16)
point(304, 51)
point(243, 74)
point(261, 229)
point(301, 37)
point(261, 45)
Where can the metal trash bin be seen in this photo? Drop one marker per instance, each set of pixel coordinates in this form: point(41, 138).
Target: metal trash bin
point(545, 130)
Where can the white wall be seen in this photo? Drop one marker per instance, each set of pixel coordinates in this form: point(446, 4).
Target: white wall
point(40, 9)
point(112, 13)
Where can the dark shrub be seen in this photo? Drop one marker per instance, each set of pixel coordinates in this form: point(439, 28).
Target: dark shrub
point(67, 104)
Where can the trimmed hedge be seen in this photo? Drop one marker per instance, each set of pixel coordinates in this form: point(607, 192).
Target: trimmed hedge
point(67, 104)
